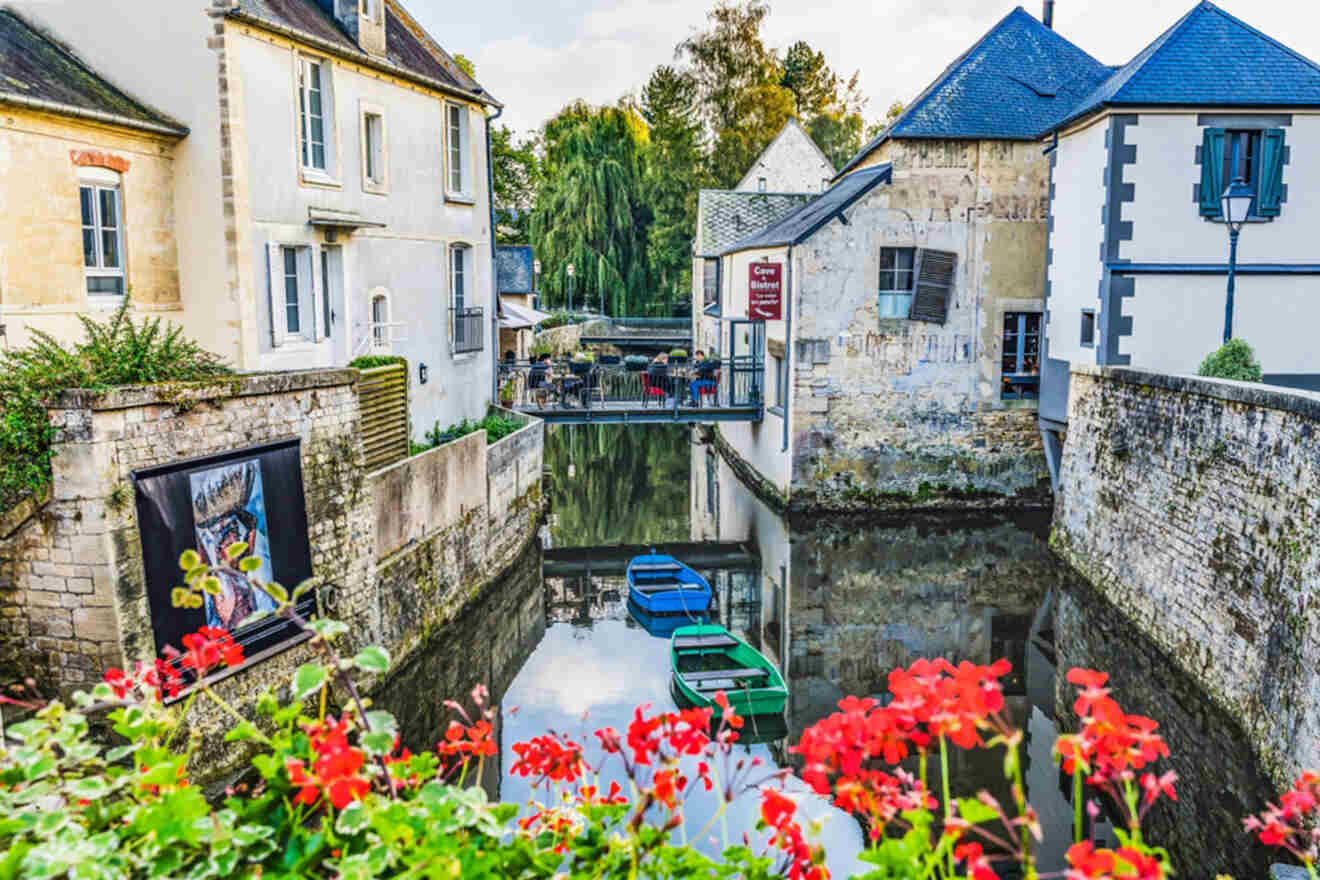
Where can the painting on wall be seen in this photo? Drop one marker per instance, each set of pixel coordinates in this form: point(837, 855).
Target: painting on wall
point(251, 496)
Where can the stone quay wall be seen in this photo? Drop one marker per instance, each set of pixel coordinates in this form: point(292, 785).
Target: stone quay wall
point(1191, 506)
point(396, 553)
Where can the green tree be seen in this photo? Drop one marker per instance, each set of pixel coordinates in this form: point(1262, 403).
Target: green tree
point(675, 173)
point(516, 168)
point(1233, 360)
point(814, 85)
point(743, 103)
point(591, 211)
point(465, 64)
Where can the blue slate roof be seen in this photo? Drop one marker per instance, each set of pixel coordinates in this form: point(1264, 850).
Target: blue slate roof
point(1014, 83)
point(1210, 58)
point(514, 268)
point(807, 220)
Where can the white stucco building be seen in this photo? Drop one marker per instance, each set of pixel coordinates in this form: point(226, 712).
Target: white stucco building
point(1138, 256)
point(331, 195)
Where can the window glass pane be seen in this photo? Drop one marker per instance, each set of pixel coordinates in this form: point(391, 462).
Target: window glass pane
point(318, 156)
point(88, 209)
point(89, 247)
point(459, 280)
point(906, 257)
point(113, 286)
point(291, 314)
point(109, 208)
point(326, 286)
point(110, 249)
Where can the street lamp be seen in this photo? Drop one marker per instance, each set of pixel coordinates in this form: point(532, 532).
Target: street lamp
point(570, 287)
point(536, 296)
point(1236, 208)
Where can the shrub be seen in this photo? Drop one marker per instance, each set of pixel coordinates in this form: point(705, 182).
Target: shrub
point(112, 352)
point(1234, 360)
point(497, 428)
point(560, 319)
point(371, 361)
point(678, 353)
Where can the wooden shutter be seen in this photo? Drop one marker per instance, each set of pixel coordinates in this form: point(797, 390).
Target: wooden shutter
point(275, 292)
point(1269, 200)
point(934, 288)
point(1212, 171)
point(317, 316)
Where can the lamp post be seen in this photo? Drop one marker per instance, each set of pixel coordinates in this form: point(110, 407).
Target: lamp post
point(570, 287)
point(1235, 204)
point(536, 296)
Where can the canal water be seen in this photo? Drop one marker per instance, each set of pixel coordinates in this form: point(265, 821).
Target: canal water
point(836, 604)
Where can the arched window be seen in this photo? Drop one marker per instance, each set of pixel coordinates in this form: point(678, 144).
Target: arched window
point(380, 320)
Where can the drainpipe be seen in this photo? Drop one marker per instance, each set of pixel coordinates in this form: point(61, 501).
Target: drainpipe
point(788, 345)
point(494, 269)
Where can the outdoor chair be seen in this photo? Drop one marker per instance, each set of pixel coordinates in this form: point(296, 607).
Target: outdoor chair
point(655, 383)
point(594, 388)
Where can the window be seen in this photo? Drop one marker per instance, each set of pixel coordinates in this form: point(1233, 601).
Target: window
point(710, 281)
point(103, 240)
point(380, 322)
point(712, 483)
point(374, 171)
point(1021, 359)
point(292, 309)
point(1088, 327)
point(456, 133)
point(896, 279)
point(760, 184)
point(468, 329)
point(1255, 155)
point(316, 123)
point(781, 383)
point(292, 285)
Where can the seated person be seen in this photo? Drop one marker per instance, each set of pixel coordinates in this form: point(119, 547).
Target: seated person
point(540, 372)
point(706, 378)
point(658, 374)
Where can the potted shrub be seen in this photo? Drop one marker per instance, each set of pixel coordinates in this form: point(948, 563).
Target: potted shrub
point(506, 394)
point(582, 363)
point(635, 363)
point(678, 356)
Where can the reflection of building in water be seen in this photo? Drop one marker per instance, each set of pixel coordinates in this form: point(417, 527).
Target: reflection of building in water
point(582, 599)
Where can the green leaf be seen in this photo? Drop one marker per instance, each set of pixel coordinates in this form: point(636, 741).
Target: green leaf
point(195, 572)
point(974, 811)
point(277, 592)
point(307, 679)
point(352, 819)
point(211, 585)
point(121, 752)
point(373, 659)
point(189, 560)
point(249, 565)
point(236, 549)
point(328, 629)
point(382, 720)
point(378, 742)
point(89, 788)
point(243, 732)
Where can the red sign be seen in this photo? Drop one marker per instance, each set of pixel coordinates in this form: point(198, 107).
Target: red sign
point(765, 291)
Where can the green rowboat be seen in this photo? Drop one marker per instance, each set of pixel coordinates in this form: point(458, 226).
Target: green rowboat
point(707, 658)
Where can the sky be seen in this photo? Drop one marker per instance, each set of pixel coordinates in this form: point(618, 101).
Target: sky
point(538, 56)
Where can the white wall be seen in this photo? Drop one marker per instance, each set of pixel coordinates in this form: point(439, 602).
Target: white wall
point(159, 55)
point(1074, 274)
point(791, 164)
point(408, 257)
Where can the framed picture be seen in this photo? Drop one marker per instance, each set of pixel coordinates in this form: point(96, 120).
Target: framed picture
point(253, 496)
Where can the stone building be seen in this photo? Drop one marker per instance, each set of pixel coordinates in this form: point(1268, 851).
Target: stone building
point(787, 174)
point(1150, 150)
point(77, 151)
point(515, 281)
point(904, 368)
point(318, 185)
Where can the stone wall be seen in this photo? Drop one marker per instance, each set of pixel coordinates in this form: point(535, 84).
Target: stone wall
point(562, 340)
point(397, 553)
point(1190, 505)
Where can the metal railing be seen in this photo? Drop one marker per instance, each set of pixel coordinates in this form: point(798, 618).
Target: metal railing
point(469, 328)
point(728, 384)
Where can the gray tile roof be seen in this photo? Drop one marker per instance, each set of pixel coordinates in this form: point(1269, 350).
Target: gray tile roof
point(724, 216)
point(408, 47)
point(36, 71)
point(803, 223)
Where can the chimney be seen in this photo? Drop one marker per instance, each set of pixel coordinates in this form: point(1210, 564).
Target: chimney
point(1048, 17)
point(362, 20)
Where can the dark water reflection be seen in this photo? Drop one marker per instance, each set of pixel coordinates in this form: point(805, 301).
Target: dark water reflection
point(837, 605)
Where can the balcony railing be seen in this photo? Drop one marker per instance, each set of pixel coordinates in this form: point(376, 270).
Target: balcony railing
point(469, 328)
point(729, 384)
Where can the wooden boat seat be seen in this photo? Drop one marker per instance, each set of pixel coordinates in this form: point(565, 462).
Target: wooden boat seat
point(721, 674)
point(655, 567)
point(696, 642)
point(668, 587)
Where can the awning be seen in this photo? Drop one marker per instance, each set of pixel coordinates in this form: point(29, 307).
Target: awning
point(340, 219)
point(516, 317)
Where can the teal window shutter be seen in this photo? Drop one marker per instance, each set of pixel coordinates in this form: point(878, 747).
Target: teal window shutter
point(1212, 172)
point(1269, 199)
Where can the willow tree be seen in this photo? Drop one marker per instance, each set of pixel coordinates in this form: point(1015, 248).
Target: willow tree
point(592, 211)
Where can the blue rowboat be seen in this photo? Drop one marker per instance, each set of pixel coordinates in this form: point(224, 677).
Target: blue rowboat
point(663, 585)
point(662, 626)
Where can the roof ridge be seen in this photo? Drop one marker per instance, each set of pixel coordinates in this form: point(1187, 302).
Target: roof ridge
point(1264, 36)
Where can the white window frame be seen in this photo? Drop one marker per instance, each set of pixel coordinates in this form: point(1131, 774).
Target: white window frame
point(454, 272)
point(382, 331)
point(309, 293)
point(97, 185)
point(459, 141)
point(899, 302)
point(378, 154)
point(328, 173)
